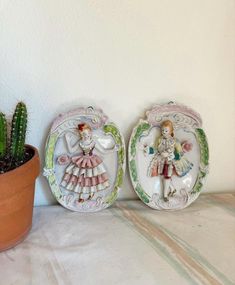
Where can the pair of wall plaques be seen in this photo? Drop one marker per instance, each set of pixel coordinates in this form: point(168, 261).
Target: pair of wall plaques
point(167, 158)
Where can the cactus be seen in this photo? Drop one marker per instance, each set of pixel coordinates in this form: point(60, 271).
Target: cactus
point(13, 154)
point(18, 132)
point(3, 136)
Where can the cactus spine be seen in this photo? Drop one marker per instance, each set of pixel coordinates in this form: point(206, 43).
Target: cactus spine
point(3, 136)
point(18, 133)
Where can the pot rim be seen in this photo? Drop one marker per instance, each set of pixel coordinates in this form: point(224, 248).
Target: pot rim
point(24, 165)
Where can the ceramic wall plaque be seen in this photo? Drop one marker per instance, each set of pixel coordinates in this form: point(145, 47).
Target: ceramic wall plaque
point(168, 157)
point(85, 160)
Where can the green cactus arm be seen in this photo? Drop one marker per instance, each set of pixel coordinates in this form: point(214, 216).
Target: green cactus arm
point(3, 136)
point(18, 132)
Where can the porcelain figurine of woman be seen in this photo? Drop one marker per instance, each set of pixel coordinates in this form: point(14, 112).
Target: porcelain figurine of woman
point(169, 158)
point(86, 174)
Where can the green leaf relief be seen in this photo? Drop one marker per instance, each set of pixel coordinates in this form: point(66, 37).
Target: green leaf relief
point(144, 197)
point(50, 150)
point(204, 153)
point(203, 146)
point(133, 170)
point(139, 130)
point(112, 129)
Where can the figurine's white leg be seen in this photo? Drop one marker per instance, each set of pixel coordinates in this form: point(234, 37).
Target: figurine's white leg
point(172, 190)
point(166, 186)
point(170, 170)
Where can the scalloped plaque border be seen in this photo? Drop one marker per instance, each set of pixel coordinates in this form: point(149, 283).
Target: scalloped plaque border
point(144, 126)
point(108, 128)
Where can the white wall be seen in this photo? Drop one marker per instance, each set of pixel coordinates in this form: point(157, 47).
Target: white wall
point(123, 56)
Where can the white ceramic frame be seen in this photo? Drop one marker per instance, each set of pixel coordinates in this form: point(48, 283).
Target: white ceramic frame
point(183, 117)
point(61, 124)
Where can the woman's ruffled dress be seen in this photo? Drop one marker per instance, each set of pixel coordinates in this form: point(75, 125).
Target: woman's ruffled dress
point(86, 174)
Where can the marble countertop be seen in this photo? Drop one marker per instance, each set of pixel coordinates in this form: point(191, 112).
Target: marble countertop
point(128, 243)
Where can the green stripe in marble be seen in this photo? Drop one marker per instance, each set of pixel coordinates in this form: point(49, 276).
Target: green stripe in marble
point(200, 267)
point(219, 202)
point(161, 250)
point(198, 257)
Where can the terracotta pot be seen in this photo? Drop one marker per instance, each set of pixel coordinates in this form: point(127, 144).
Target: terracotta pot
point(16, 201)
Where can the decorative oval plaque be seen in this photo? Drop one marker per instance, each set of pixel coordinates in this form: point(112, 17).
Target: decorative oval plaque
point(168, 157)
point(85, 160)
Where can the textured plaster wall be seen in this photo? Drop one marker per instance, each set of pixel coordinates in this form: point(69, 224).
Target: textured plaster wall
point(123, 56)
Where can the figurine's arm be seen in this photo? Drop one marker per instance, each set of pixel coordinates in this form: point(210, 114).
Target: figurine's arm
point(72, 147)
point(178, 151)
point(103, 150)
point(150, 149)
point(147, 149)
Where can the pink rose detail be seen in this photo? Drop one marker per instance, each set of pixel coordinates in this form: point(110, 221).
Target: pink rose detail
point(63, 159)
point(187, 146)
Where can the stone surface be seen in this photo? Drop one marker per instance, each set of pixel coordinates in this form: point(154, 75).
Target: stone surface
point(129, 243)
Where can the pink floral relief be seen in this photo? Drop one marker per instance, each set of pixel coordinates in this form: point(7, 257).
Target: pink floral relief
point(63, 159)
point(187, 146)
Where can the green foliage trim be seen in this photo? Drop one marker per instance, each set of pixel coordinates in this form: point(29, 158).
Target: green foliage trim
point(49, 164)
point(133, 170)
point(204, 161)
point(50, 150)
point(139, 130)
point(144, 197)
point(201, 136)
point(113, 130)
